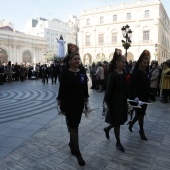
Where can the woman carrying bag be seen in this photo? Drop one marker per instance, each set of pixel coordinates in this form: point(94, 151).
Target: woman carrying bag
point(72, 96)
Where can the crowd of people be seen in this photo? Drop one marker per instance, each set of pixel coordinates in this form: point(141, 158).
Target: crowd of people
point(121, 80)
point(21, 72)
point(158, 75)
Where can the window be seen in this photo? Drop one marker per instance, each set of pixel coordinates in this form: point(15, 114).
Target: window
point(146, 14)
point(88, 21)
point(128, 16)
point(101, 39)
point(145, 36)
point(101, 20)
point(114, 38)
point(114, 17)
point(87, 40)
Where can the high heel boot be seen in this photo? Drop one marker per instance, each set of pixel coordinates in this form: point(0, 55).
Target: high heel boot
point(142, 135)
point(71, 149)
point(106, 130)
point(75, 146)
point(130, 126)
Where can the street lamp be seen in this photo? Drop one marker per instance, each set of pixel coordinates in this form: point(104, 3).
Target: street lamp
point(127, 33)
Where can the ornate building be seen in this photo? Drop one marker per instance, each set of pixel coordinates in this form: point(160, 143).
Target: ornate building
point(51, 29)
point(100, 31)
point(18, 47)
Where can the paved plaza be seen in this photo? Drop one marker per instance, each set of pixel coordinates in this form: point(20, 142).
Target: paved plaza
point(34, 137)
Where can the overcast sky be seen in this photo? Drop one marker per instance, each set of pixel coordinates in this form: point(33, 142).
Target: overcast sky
point(19, 11)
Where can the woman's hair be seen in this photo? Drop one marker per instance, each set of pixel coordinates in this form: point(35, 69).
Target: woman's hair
point(68, 58)
point(9, 63)
point(144, 55)
point(117, 56)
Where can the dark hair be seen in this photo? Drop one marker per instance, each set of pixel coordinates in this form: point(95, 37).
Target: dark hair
point(116, 57)
point(144, 55)
point(68, 58)
point(9, 63)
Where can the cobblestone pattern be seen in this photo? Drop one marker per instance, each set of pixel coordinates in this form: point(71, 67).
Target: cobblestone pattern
point(47, 148)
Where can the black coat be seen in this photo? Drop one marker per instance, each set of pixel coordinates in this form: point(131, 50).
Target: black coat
point(72, 92)
point(140, 87)
point(116, 98)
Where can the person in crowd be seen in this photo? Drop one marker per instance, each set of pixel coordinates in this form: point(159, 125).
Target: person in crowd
point(17, 72)
point(100, 76)
point(9, 72)
point(93, 75)
point(154, 79)
point(140, 89)
point(73, 93)
point(22, 73)
point(45, 73)
point(37, 70)
point(165, 82)
point(105, 67)
point(55, 70)
point(116, 96)
point(30, 69)
point(1, 73)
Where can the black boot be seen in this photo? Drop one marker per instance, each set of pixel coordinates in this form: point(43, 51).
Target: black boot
point(71, 149)
point(75, 146)
point(106, 130)
point(120, 147)
point(106, 133)
point(142, 135)
point(130, 126)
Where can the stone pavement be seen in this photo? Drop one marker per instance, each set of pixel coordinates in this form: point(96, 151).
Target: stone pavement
point(43, 136)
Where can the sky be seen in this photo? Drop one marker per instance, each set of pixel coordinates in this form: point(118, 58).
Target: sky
point(19, 11)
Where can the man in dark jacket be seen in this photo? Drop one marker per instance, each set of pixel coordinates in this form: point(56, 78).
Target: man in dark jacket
point(1, 73)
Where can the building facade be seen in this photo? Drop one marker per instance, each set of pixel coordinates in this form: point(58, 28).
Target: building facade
point(100, 31)
point(51, 29)
point(21, 48)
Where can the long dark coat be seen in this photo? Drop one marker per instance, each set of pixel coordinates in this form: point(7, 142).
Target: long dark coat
point(116, 98)
point(140, 87)
point(72, 92)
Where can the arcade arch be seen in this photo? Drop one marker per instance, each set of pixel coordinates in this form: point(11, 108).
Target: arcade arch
point(87, 59)
point(100, 57)
point(3, 56)
point(27, 58)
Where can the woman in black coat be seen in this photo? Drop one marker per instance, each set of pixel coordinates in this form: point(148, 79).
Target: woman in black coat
point(140, 88)
point(73, 93)
point(116, 97)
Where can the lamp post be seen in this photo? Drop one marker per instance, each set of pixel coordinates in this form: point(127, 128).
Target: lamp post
point(127, 33)
point(156, 50)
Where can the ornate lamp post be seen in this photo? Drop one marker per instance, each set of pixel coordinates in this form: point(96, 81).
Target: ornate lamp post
point(127, 33)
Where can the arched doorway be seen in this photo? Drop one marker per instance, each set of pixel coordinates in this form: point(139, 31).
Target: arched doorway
point(3, 56)
point(27, 58)
point(87, 59)
point(100, 57)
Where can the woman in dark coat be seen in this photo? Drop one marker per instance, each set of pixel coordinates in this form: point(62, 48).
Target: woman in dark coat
point(116, 97)
point(73, 93)
point(140, 88)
